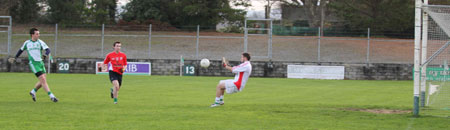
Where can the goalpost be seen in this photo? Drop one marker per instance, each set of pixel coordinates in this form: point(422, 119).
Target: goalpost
point(5, 30)
point(265, 32)
point(431, 57)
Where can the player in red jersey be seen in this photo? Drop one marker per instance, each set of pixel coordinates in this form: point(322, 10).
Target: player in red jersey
point(118, 64)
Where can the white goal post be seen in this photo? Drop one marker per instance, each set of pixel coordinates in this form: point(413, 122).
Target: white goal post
point(431, 54)
point(268, 34)
point(8, 31)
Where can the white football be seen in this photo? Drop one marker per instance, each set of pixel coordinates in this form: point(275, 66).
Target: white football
point(204, 63)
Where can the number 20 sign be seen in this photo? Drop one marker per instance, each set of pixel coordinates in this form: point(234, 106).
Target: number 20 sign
point(63, 67)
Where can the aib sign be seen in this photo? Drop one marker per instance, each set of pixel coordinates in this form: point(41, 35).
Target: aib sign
point(133, 68)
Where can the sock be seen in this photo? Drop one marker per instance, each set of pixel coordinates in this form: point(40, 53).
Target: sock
point(34, 90)
point(217, 100)
point(221, 98)
point(115, 99)
point(51, 95)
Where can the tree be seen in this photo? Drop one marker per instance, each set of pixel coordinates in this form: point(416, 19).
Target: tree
point(5, 6)
point(205, 12)
point(25, 11)
point(102, 11)
point(184, 12)
point(67, 11)
point(311, 9)
point(268, 7)
point(141, 10)
point(382, 16)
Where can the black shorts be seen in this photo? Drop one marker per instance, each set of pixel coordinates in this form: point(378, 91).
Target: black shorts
point(38, 74)
point(115, 76)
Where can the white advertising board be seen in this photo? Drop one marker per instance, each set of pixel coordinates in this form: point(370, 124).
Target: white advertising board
point(315, 72)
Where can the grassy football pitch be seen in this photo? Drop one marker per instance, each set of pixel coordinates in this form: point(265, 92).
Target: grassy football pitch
point(172, 102)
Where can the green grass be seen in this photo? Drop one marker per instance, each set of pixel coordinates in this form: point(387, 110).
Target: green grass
point(172, 102)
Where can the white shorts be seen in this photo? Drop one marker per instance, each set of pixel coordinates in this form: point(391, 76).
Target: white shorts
point(229, 86)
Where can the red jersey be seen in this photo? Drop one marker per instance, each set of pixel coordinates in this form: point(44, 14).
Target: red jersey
point(117, 60)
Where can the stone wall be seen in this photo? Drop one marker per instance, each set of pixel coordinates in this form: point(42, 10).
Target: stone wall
point(353, 71)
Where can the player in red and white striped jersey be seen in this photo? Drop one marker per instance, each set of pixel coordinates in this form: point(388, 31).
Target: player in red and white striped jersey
point(237, 84)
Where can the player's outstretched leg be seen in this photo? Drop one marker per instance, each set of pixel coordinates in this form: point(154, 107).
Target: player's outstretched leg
point(220, 89)
point(221, 102)
point(33, 96)
point(116, 90)
point(44, 84)
point(34, 90)
point(54, 99)
point(112, 94)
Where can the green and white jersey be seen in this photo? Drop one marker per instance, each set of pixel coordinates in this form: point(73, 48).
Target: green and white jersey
point(34, 49)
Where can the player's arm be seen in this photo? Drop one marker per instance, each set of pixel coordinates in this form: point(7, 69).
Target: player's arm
point(19, 53)
point(124, 68)
point(47, 52)
point(24, 47)
point(228, 67)
point(240, 68)
point(46, 48)
point(104, 66)
point(125, 63)
point(12, 60)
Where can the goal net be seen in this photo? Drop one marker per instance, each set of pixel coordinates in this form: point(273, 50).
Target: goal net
point(435, 59)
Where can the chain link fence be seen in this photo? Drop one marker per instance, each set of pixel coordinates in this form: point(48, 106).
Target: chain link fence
point(195, 42)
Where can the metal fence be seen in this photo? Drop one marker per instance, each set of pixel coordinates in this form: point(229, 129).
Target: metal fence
point(195, 42)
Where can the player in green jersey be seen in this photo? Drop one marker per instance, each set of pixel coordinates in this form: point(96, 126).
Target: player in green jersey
point(36, 59)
